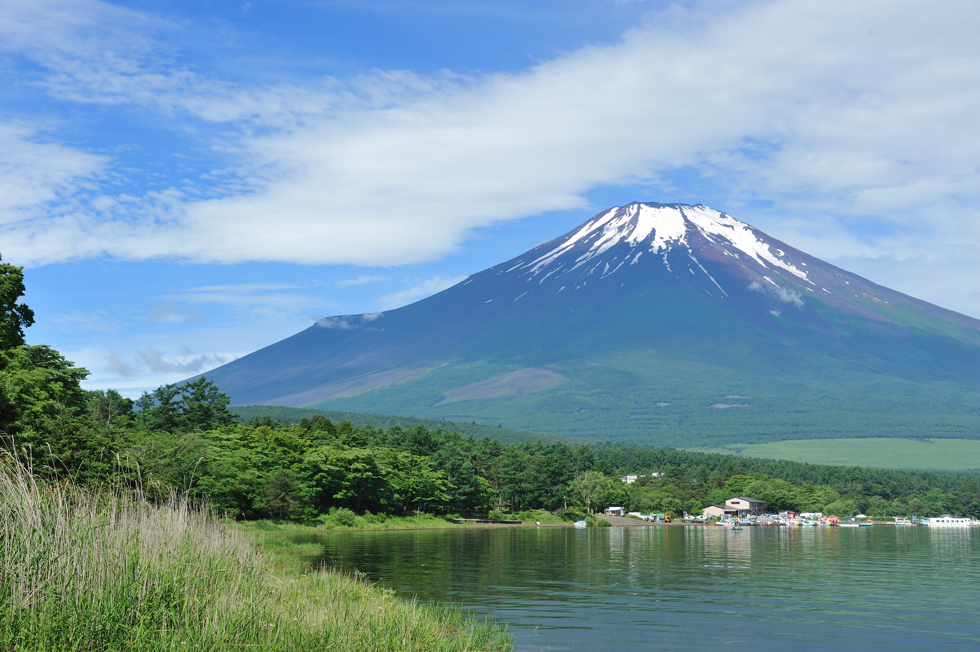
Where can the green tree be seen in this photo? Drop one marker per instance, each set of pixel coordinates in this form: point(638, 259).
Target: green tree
point(110, 410)
point(592, 487)
point(203, 406)
point(14, 316)
point(38, 385)
point(283, 495)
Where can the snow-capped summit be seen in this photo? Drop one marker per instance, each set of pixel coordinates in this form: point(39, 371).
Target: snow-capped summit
point(657, 229)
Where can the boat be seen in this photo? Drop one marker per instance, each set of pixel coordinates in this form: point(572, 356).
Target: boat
point(904, 522)
point(736, 526)
point(948, 521)
point(580, 524)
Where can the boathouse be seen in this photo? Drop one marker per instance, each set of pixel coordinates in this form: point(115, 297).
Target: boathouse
point(746, 506)
point(715, 511)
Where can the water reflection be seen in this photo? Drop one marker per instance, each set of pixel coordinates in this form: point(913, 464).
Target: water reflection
point(691, 588)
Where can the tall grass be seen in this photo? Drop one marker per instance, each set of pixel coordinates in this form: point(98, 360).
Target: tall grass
point(105, 570)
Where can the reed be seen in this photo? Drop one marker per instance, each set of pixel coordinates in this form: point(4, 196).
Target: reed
point(84, 569)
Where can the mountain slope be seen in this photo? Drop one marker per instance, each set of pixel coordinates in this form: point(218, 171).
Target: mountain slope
point(669, 323)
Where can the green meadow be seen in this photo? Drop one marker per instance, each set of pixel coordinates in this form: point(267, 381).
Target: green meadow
point(879, 452)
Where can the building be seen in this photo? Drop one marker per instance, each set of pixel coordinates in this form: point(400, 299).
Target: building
point(715, 511)
point(630, 479)
point(746, 506)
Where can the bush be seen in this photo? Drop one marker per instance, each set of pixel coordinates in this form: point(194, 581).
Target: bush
point(495, 515)
point(343, 516)
point(573, 514)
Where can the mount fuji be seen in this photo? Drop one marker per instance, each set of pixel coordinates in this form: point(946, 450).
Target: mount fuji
point(664, 323)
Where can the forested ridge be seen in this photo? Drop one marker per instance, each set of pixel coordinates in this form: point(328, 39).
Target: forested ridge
point(184, 437)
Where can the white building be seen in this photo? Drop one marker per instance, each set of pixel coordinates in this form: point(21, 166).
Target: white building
point(630, 479)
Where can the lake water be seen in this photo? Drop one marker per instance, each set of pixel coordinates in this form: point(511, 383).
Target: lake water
point(684, 588)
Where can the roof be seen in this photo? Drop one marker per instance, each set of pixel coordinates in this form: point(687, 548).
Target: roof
point(751, 500)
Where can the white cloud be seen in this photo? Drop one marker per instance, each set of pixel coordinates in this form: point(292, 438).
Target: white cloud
point(835, 111)
point(171, 314)
point(150, 360)
point(184, 363)
point(119, 366)
point(361, 280)
point(36, 173)
point(97, 321)
point(256, 298)
point(419, 290)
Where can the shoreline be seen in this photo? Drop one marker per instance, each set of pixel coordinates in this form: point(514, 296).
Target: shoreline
point(266, 527)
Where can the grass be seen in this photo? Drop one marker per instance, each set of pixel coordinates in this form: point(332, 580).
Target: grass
point(879, 452)
point(256, 529)
point(104, 570)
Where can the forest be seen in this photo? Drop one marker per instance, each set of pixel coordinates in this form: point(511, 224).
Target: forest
point(184, 437)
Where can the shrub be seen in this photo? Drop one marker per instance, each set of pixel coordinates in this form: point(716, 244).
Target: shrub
point(573, 514)
point(375, 518)
point(343, 516)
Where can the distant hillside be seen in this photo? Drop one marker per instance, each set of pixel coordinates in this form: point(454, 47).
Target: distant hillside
point(667, 324)
point(360, 419)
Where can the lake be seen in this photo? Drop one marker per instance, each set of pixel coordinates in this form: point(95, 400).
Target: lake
point(674, 588)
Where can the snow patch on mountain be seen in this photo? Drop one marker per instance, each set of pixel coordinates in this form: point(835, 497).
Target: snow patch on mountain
point(658, 229)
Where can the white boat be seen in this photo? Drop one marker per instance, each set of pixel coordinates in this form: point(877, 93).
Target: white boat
point(903, 521)
point(948, 521)
point(580, 524)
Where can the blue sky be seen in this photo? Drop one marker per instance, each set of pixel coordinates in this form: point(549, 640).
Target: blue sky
point(186, 182)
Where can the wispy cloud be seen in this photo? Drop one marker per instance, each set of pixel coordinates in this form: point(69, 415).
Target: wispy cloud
point(185, 363)
point(97, 321)
point(832, 110)
point(361, 280)
point(264, 298)
point(153, 361)
point(419, 290)
point(171, 314)
point(119, 366)
point(778, 293)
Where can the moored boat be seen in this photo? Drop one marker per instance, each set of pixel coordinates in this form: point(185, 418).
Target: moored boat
point(948, 521)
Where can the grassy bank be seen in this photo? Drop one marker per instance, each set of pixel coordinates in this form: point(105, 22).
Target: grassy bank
point(919, 454)
point(85, 570)
point(345, 521)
